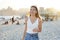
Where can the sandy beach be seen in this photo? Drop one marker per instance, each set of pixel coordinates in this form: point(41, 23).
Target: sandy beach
point(50, 31)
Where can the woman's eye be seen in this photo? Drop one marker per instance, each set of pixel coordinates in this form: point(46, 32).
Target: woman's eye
point(31, 9)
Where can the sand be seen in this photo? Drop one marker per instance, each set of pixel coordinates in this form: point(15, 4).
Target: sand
point(50, 31)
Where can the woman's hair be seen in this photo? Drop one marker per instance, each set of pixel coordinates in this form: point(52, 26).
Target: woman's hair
point(36, 15)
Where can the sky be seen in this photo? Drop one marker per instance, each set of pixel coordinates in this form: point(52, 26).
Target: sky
point(16, 4)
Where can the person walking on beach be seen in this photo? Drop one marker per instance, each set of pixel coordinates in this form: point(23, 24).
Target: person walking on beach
point(12, 20)
point(33, 25)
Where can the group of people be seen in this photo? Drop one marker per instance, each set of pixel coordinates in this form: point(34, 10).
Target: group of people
point(12, 21)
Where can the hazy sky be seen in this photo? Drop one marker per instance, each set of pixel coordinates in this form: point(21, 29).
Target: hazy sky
point(16, 4)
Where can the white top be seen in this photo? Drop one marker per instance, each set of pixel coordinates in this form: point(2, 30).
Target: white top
point(31, 26)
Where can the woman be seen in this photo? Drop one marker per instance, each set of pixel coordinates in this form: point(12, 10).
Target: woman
point(33, 25)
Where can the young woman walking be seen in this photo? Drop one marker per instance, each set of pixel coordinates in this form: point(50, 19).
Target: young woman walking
point(33, 25)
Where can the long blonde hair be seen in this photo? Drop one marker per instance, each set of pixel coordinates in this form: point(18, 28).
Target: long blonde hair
point(37, 14)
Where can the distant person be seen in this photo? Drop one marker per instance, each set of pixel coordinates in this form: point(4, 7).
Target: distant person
point(33, 25)
point(12, 20)
point(6, 22)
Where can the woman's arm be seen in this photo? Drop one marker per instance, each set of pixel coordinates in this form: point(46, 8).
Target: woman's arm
point(25, 28)
point(39, 26)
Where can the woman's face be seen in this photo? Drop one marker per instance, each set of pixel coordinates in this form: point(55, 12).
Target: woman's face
point(33, 11)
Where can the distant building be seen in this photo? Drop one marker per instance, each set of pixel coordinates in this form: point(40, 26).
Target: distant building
point(8, 12)
point(41, 10)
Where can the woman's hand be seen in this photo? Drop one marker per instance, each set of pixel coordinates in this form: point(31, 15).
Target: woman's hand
point(35, 30)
